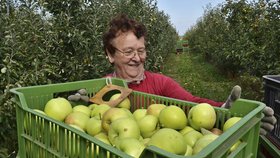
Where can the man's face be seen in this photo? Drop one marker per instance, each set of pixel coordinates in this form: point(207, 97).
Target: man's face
point(130, 55)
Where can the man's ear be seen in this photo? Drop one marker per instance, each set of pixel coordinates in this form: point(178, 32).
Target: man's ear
point(110, 57)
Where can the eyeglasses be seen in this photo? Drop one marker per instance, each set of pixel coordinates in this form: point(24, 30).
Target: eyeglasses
point(130, 53)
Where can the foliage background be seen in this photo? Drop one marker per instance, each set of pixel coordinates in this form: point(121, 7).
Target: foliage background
point(240, 37)
point(46, 41)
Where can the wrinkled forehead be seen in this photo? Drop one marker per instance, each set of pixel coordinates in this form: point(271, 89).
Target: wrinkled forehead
point(126, 38)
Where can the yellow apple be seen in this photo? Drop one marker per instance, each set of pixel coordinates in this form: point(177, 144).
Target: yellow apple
point(202, 142)
point(172, 117)
point(139, 113)
point(189, 151)
point(92, 106)
point(77, 118)
point(58, 108)
point(186, 130)
point(230, 122)
point(93, 126)
point(103, 137)
point(170, 140)
point(234, 146)
point(125, 127)
point(148, 125)
point(131, 146)
point(202, 115)
point(155, 109)
point(82, 108)
point(112, 114)
point(123, 104)
point(98, 110)
point(191, 137)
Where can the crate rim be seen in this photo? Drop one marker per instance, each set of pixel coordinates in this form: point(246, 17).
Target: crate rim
point(270, 77)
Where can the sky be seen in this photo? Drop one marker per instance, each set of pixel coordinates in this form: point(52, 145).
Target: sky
point(185, 13)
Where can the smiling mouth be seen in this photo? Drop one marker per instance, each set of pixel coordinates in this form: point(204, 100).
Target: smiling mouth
point(134, 65)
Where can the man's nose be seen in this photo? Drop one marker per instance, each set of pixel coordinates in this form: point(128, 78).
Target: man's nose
point(136, 57)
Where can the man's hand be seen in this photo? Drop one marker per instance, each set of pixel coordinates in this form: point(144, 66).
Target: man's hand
point(234, 95)
point(79, 96)
point(267, 122)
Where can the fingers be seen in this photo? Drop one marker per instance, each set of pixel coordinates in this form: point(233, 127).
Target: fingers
point(267, 126)
point(263, 132)
point(80, 95)
point(74, 97)
point(84, 98)
point(235, 93)
point(82, 91)
point(268, 111)
point(269, 119)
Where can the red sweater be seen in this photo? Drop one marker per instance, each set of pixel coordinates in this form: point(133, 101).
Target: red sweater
point(159, 84)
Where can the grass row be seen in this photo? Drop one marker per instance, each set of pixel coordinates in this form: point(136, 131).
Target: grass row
point(197, 76)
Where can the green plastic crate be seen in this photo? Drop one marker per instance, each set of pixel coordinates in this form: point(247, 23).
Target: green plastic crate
point(267, 149)
point(41, 136)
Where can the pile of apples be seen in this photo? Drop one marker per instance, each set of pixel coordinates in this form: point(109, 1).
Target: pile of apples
point(166, 127)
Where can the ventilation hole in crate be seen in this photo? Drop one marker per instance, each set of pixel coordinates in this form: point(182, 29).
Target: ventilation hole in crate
point(107, 96)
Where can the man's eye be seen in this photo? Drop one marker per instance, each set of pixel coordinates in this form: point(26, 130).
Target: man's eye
point(128, 52)
point(142, 51)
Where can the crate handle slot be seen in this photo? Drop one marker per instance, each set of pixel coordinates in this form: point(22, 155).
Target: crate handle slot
point(110, 89)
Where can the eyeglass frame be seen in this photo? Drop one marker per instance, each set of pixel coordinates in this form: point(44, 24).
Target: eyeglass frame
point(134, 52)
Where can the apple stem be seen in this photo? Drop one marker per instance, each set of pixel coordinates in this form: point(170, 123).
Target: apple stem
point(100, 116)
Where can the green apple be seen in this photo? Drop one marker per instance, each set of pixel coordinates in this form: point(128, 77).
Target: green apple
point(103, 137)
point(155, 109)
point(58, 108)
point(189, 151)
point(123, 104)
point(173, 117)
point(202, 115)
point(234, 146)
point(76, 127)
point(93, 126)
point(139, 113)
point(202, 142)
point(112, 114)
point(191, 137)
point(148, 125)
point(77, 118)
point(170, 140)
point(129, 113)
point(82, 108)
point(230, 122)
point(125, 127)
point(98, 110)
point(205, 131)
point(186, 130)
point(92, 106)
point(131, 146)
point(40, 111)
